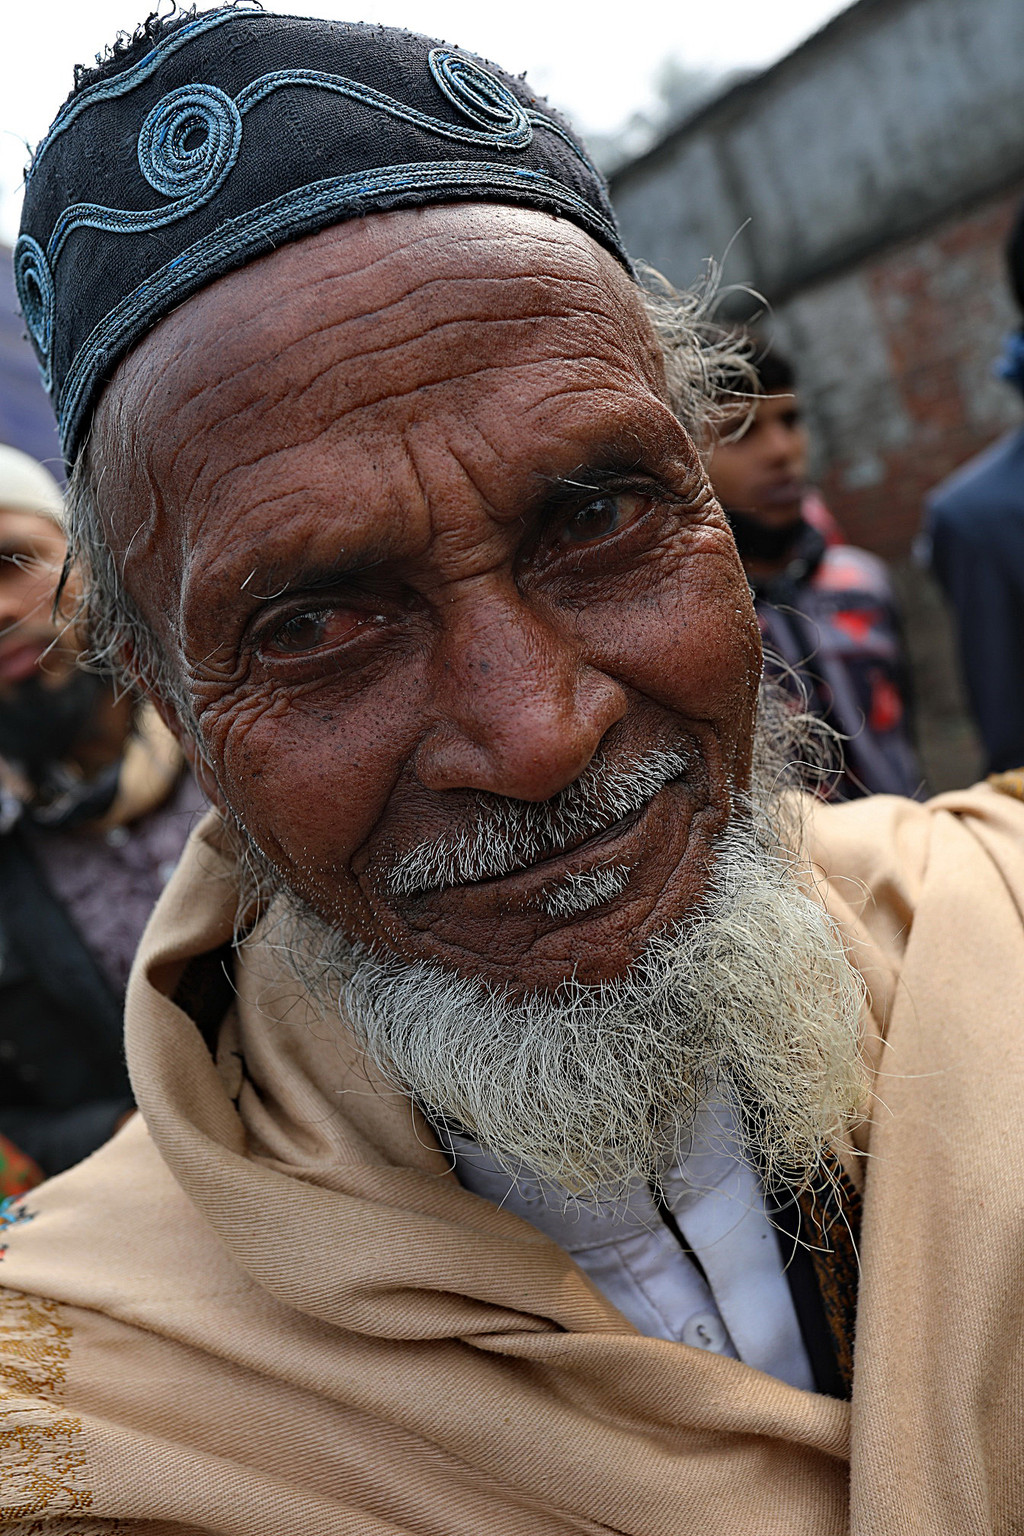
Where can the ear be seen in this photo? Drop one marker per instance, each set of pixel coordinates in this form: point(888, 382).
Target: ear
point(201, 769)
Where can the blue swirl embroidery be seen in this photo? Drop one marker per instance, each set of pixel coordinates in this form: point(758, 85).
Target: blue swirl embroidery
point(515, 131)
point(475, 92)
point(187, 145)
point(190, 141)
point(191, 138)
point(109, 90)
point(34, 282)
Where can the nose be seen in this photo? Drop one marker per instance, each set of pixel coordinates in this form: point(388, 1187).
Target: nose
point(778, 443)
point(517, 709)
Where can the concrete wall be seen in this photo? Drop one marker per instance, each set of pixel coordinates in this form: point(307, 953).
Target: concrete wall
point(896, 355)
point(865, 186)
point(890, 116)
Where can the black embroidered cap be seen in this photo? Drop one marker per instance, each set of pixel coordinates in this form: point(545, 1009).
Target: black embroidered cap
point(239, 130)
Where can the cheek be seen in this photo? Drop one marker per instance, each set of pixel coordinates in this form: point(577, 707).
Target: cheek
point(687, 636)
point(309, 774)
point(31, 596)
point(731, 470)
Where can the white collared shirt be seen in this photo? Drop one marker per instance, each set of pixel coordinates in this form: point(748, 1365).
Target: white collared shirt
point(741, 1304)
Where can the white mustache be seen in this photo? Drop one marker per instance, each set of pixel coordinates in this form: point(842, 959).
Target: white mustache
point(506, 836)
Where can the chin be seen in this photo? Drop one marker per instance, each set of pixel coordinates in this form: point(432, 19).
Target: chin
point(780, 516)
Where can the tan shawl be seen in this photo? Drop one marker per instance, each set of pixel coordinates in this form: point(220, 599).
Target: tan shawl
point(270, 1311)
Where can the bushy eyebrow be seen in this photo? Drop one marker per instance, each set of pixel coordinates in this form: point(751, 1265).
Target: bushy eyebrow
point(608, 471)
point(622, 462)
point(266, 586)
point(567, 490)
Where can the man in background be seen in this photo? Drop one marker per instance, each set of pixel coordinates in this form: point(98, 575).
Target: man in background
point(95, 807)
point(825, 609)
point(976, 527)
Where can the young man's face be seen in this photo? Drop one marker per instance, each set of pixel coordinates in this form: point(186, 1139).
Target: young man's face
point(763, 472)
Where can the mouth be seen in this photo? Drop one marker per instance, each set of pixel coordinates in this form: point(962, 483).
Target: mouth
point(504, 840)
point(595, 851)
point(781, 493)
point(574, 903)
point(573, 882)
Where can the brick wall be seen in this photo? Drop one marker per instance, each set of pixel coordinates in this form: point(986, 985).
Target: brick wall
point(865, 185)
point(895, 359)
point(921, 327)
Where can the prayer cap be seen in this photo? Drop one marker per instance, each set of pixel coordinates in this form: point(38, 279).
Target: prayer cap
point(237, 130)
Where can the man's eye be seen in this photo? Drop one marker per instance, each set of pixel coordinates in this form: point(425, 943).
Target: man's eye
point(599, 518)
point(313, 629)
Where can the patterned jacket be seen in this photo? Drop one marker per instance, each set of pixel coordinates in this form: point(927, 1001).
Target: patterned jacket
point(831, 618)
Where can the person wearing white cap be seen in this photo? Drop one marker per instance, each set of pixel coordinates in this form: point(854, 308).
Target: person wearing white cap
point(27, 486)
point(94, 809)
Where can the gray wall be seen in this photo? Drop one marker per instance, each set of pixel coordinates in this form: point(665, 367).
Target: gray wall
point(881, 123)
point(865, 186)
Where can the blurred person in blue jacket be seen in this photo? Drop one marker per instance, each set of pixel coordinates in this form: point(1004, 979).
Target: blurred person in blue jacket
point(826, 609)
point(975, 532)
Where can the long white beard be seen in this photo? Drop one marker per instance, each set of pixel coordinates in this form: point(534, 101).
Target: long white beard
point(599, 1084)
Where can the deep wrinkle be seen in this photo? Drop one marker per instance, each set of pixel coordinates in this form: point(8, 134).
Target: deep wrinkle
point(498, 653)
point(377, 583)
point(210, 589)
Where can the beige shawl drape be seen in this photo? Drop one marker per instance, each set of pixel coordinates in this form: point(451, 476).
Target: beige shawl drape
point(270, 1311)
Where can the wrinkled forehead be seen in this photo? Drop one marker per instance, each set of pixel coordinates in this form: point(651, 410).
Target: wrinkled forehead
point(357, 333)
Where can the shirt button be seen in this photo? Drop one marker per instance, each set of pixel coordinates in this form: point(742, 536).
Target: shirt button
point(705, 1330)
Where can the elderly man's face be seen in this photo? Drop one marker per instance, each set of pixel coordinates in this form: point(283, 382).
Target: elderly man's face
point(417, 523)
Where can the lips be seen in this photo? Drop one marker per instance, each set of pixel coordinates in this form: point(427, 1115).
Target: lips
point(574, 859)
point(780, 493)
point(632, 841)
point(513, 927)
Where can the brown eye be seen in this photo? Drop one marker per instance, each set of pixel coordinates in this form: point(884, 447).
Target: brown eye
point(599, 518)
point(316, 628)
point(302, 633)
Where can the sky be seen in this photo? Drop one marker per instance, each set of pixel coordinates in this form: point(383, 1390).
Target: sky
point(580, 53)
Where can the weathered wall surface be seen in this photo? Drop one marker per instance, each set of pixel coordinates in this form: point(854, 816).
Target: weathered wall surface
point(865, 186)
point(894, 114)
point(897, 356)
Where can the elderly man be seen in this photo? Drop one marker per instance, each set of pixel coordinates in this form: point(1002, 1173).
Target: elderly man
point(496, 1044)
